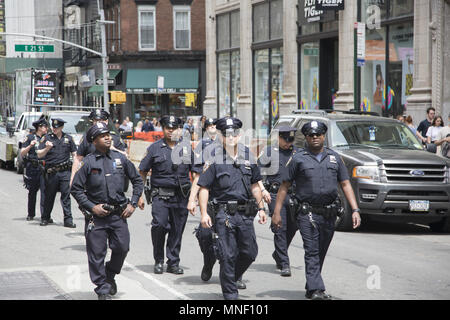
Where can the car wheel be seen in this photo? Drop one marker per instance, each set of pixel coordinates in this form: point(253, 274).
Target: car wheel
point(344, 223)
point(442, 226)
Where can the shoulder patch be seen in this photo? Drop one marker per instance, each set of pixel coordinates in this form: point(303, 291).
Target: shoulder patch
point(206, 166)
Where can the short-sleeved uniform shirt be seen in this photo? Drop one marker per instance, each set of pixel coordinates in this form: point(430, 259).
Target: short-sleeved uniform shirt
point(85, 147)
point(227, 181)
point(32, 155)
point(101, 179)
point(61, 151)
point(317, 181)
point(169, 171)
point(274, 163)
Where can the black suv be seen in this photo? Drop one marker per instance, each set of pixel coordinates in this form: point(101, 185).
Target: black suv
point(393, 177)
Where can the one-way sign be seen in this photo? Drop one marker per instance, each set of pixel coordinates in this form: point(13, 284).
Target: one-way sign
point(111, 82)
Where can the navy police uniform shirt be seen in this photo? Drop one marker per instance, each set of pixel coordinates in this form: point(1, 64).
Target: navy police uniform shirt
point(317, 182)
point(85, 147)
point(32, 155)
point(224, 180)
point(61, 151)
point(203, 148)
point(274, 163)
point(101, 179)
point(165, 173)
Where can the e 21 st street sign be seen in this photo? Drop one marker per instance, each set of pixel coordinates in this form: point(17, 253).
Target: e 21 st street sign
point(34, 48)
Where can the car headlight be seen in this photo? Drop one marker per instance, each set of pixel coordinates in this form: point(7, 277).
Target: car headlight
point(367, 172)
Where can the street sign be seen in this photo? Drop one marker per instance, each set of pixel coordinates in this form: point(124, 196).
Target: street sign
point(34, 48)
point(111, 82)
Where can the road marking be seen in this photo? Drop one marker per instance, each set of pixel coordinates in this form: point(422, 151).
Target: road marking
point(157, 282)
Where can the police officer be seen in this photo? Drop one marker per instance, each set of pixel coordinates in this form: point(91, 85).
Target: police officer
point(33, 177)
point(98, 189)
point(56, 148)
point(170, 161)
point(230, 182)
point(85, 147)
point(273, 162)
point(317, 172)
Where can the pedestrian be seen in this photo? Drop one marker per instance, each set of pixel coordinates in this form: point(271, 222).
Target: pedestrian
point(129, 124)
point(433, 131)
point(147, 127)
point(157, 126)
point(317, 171)
point(55, 149)
point(124, 126)
point(425, 124)
point(443, 140)
point(117, 126)
point(401, 118)
point(86, 148)
point(274, 162)
point(188, 127)
point(228, 185)
point(170, 161)
point(98, 189)
point(139, 126)
point(33, 178)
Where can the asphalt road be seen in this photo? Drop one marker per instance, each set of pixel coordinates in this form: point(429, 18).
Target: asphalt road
point(382, 261)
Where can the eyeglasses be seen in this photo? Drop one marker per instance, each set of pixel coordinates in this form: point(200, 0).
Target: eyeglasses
point(233, 133)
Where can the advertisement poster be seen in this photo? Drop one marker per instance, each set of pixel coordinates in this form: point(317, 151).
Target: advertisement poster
point(44, 87)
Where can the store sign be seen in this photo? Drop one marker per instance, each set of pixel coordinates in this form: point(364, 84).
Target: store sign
point(162, 91)
point(330, 5)
point(44, 87)
point(361, 43)
point(309, 12)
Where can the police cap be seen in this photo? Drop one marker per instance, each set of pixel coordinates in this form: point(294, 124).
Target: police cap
point(96, 130)
point(209, 122)
point(287, 133)
point(99, 114)
point(314, 127)
point(39, 123)
point(227, 123)
point(170, 122)
point(56, 123)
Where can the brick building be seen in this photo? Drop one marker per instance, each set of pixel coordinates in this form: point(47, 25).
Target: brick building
point(149, 39)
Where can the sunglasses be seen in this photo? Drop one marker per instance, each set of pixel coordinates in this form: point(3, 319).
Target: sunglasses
point(233, 133)
point(312, 135)
point(288, 139)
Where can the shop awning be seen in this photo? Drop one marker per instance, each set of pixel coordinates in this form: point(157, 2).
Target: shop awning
point(112, 74)
point(95, 90)
point(183, 80)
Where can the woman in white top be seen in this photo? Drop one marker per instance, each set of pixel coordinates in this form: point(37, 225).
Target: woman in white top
point(433, 131)
point(139, 126)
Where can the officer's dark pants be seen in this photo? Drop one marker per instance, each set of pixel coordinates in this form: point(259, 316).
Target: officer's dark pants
point(169, 217)
point(237, 249)
point(36, 183)
point(59, 181)
point(113, 230)
point(316, 242)
point(284, 235)
point(204, 237)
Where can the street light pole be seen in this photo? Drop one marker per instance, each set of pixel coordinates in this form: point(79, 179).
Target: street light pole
point(104, 56)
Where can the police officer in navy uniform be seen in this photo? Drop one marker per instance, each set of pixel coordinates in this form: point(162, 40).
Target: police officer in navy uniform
point(34, 180)
point(170, 161)
point(98, 189)
point(98, 115)
point(274, 161)
point(317, 172)
point(203, 235)
point(56, 148)
point(229, 183)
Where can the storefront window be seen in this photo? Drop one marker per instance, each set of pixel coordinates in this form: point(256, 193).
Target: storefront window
point(401, 66)
point(373, 73)
point(261, 22)
point(310, 76)
point(400, 8)
point(276, 20)
point(223, 31)
point(262, 92)
point(224, 78)
point(235, 80)
point(277, 83)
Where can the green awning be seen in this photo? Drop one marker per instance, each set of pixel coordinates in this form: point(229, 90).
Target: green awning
point(112, 74)
point(95, 90)
point(183, 80)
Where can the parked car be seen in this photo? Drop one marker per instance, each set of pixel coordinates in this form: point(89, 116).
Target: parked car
point(393, 177)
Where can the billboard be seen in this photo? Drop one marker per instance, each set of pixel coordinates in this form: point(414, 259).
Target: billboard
point(44, 87)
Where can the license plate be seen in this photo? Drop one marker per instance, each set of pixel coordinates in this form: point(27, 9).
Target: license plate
point(419, 205)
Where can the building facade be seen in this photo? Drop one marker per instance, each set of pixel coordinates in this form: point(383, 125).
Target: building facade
point(266, 58)
point(156, 52)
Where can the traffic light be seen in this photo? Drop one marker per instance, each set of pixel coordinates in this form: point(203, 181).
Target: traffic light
point(117, 97)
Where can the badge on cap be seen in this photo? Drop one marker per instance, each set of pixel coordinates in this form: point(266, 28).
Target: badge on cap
point(55, 122)
point(172, 119)
point(314, 125)
point(292, 134)
point(98, 112)
point(229, 122)
point(99, 125)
